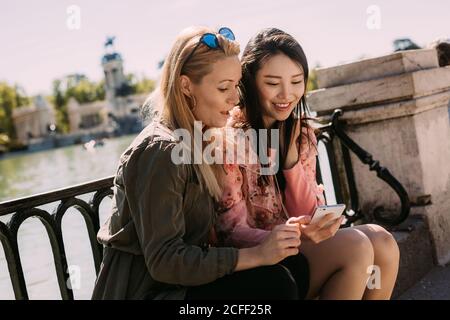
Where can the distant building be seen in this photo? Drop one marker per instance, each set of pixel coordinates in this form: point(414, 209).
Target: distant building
point(116, 85)
point(87, 116)
point(120, 110)
point(97, 116)
point(33, 121)
point(442, 46)
point(118, 114)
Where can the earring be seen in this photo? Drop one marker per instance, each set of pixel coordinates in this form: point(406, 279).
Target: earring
point(296, 113)
point(194, 102)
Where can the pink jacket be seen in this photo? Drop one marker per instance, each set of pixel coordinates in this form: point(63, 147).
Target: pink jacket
point(248, 209)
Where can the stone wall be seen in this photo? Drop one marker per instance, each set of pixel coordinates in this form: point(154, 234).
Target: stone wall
point(397, 108)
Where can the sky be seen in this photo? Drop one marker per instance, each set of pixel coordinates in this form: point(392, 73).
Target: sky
point(42, 40)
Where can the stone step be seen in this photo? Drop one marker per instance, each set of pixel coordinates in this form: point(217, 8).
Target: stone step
point(434, 286)
point(416, 253)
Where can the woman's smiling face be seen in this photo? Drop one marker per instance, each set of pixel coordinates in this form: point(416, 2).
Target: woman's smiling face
point(217, 92)
point(280, 84)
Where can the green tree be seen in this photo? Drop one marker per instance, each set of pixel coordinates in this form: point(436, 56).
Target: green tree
point(312, 81)
point(143, 85)
point(7, 103)
point(78, 87)
point(100, 90)
point(84, 91)
point(9, 100)
point(21, 97)
point(60, 103)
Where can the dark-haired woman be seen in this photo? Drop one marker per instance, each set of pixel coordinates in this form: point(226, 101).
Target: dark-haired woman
point(273, 85)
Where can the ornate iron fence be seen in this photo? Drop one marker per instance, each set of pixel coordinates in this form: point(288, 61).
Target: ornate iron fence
point(24, 208)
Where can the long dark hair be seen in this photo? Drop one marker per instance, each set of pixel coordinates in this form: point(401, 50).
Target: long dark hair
point(264, 45)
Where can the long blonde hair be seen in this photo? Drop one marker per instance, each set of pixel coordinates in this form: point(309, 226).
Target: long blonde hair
point(176, 106)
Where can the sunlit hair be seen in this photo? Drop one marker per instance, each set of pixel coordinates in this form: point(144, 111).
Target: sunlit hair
point(175, 107)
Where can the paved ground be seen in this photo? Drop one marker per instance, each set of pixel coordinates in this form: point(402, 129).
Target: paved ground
point(434, 286)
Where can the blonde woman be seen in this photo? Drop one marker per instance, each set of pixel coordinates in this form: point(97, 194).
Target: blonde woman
point(156, 239)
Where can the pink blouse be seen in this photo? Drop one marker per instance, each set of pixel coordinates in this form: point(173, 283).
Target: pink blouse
point(249, 209)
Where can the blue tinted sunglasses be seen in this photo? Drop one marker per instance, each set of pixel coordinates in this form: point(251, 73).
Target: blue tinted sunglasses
point(211, 41)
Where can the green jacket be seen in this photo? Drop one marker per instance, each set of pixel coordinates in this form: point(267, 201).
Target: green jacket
point(155, 241)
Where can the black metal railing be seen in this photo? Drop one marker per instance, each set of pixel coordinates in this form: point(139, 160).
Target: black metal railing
point(346, 191)
point(25, 208)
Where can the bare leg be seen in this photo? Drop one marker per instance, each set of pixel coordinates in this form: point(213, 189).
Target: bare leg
point(386, 259)
point(338, 266)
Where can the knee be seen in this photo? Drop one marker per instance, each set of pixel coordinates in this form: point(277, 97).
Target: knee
point(282, 283)
point(384, 244)
point(360, 248)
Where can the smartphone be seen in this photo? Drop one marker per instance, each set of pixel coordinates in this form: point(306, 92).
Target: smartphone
point(336, 209)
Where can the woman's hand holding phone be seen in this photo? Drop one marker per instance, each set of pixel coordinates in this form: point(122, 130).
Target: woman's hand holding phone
point(325, 228)
point(320, 230)
point(283, 241)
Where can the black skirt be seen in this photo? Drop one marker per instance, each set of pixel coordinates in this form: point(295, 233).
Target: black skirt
point(299, 267)
point(287, 280)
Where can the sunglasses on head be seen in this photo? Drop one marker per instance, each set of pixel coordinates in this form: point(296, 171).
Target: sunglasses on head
point(211, 41)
